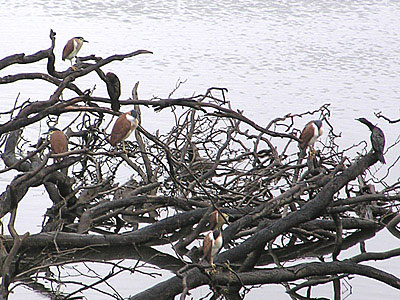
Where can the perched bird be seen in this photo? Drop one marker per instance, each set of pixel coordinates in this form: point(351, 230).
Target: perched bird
point(113, 89)
point(123, 127)
point(311, 132)
point(217, 220)
point(211, 245)
point(72, 48)
point(58, 142)
point(377, 138)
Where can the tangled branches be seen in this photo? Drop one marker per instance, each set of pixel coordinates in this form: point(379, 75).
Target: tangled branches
point(281, 207)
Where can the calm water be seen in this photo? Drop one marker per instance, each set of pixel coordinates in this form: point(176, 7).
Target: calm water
point(275, 57)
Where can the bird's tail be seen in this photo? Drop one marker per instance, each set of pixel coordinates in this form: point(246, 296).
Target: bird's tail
point(381, 158)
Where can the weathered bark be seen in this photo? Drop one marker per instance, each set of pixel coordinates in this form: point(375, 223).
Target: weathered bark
point(308, 212)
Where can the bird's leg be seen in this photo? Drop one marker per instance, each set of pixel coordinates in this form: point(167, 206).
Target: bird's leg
point(212, 266)
point(315, 152)
point(72, 66)
point(213, 270)
point(123, 147)
point(230, 270)
point(312, 151)
point(228, 267)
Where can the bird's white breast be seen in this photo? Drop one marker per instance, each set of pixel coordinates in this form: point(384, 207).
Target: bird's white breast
point(321, 131)
point(217, 246)
point(77, 46)
point(317, 133)
point(131, 119)
point(134, 124)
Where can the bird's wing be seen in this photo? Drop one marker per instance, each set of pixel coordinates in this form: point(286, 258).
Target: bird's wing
point(213, 219)
point(69, 47)
point(378, 143)
point(121, 128)
point(207, 248)
point(58, 142)
point(113, 85)
point(306, 135)
point(378, 139)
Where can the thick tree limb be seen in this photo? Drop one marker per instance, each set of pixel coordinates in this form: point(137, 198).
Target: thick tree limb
point(308, 212)
point(270, 276)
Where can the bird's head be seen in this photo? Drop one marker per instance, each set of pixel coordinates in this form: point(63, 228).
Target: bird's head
point(216, 233)
point(81, 39)
point(366, 122)
point(318, 123)
point(362, 120)
point(133, 113)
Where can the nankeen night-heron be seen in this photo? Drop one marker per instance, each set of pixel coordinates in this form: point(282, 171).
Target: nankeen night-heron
point(311, 132)
point(58, 142)
point(212, 243)
point(377, 138)
point(72, 48)
point(123, 127)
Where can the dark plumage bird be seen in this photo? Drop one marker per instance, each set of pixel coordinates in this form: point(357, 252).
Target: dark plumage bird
point(72, 48)
point(123, 127)
point(58, 142)
point(211, 245)
point(311, 132)
point(377, 138)
point(114, 90)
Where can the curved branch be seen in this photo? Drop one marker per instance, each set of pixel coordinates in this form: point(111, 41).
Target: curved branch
point(270, 276)
point(308, 212)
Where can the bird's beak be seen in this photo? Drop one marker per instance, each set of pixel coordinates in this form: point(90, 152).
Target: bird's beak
point(86, 41)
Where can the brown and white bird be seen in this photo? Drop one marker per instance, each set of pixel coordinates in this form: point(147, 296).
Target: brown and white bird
point(72, 48)
point(216, 220)
point(114, 90)
point(58, 142)
point(212, 243)
point(377, 138)
point(311, 132)
point(123, 127)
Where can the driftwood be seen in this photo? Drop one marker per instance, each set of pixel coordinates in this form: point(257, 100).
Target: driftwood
point(281, 207)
